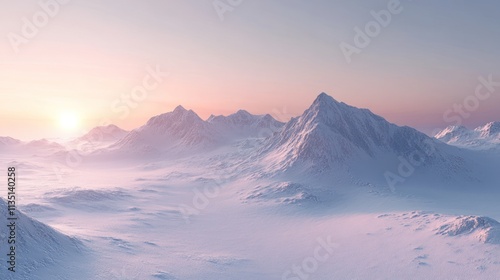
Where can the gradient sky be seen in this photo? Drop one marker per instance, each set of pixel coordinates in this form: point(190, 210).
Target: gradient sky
point(265, 57)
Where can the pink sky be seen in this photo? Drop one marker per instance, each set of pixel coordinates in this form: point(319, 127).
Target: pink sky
point(91, 54)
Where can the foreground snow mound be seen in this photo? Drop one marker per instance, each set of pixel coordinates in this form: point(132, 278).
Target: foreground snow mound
point(288, 193)
point(38, 247)
point(485, 229)
point(76, 195)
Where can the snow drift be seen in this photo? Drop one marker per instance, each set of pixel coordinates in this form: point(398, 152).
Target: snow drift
point(484, 229)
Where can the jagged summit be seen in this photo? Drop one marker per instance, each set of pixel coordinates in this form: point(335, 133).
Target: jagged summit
point(451, 132)
point(490, 129)
point(179, 116)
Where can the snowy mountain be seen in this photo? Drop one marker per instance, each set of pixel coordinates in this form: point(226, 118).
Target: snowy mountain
point(184, 131)
point(43, 144)
point(481, 138)
point(453, 133)
point(8, 141)
point(333, 137)
point(177, 130)
point(40, 147)
point(109, 133)
point(491, 129)
point(97, 138)
point(242, 124)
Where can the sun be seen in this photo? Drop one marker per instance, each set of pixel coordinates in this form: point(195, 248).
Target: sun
point(68, 121)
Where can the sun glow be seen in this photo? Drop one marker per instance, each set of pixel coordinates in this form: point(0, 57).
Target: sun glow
point(69, 121)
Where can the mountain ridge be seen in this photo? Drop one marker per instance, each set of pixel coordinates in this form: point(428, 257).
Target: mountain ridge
point(483, 137)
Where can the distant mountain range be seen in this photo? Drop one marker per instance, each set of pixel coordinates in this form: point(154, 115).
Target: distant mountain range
point(40, 147)
point(330, 138)
point(183, 130)
point(481, 138)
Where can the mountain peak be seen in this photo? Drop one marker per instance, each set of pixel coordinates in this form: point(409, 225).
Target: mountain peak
point(179, 109)
point(324, 98)
point(494, 127)
point(178, 116)
point(242, 112)
point(489, 129)
point(107, 128)
point(325, 109)
point(451, 129)
point(330, 132)
point(483, 137)
point(111, 126)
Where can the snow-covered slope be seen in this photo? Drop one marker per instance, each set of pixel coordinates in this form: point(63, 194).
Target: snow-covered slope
point(334, 138)
point(481, 138)
point(38, 248)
